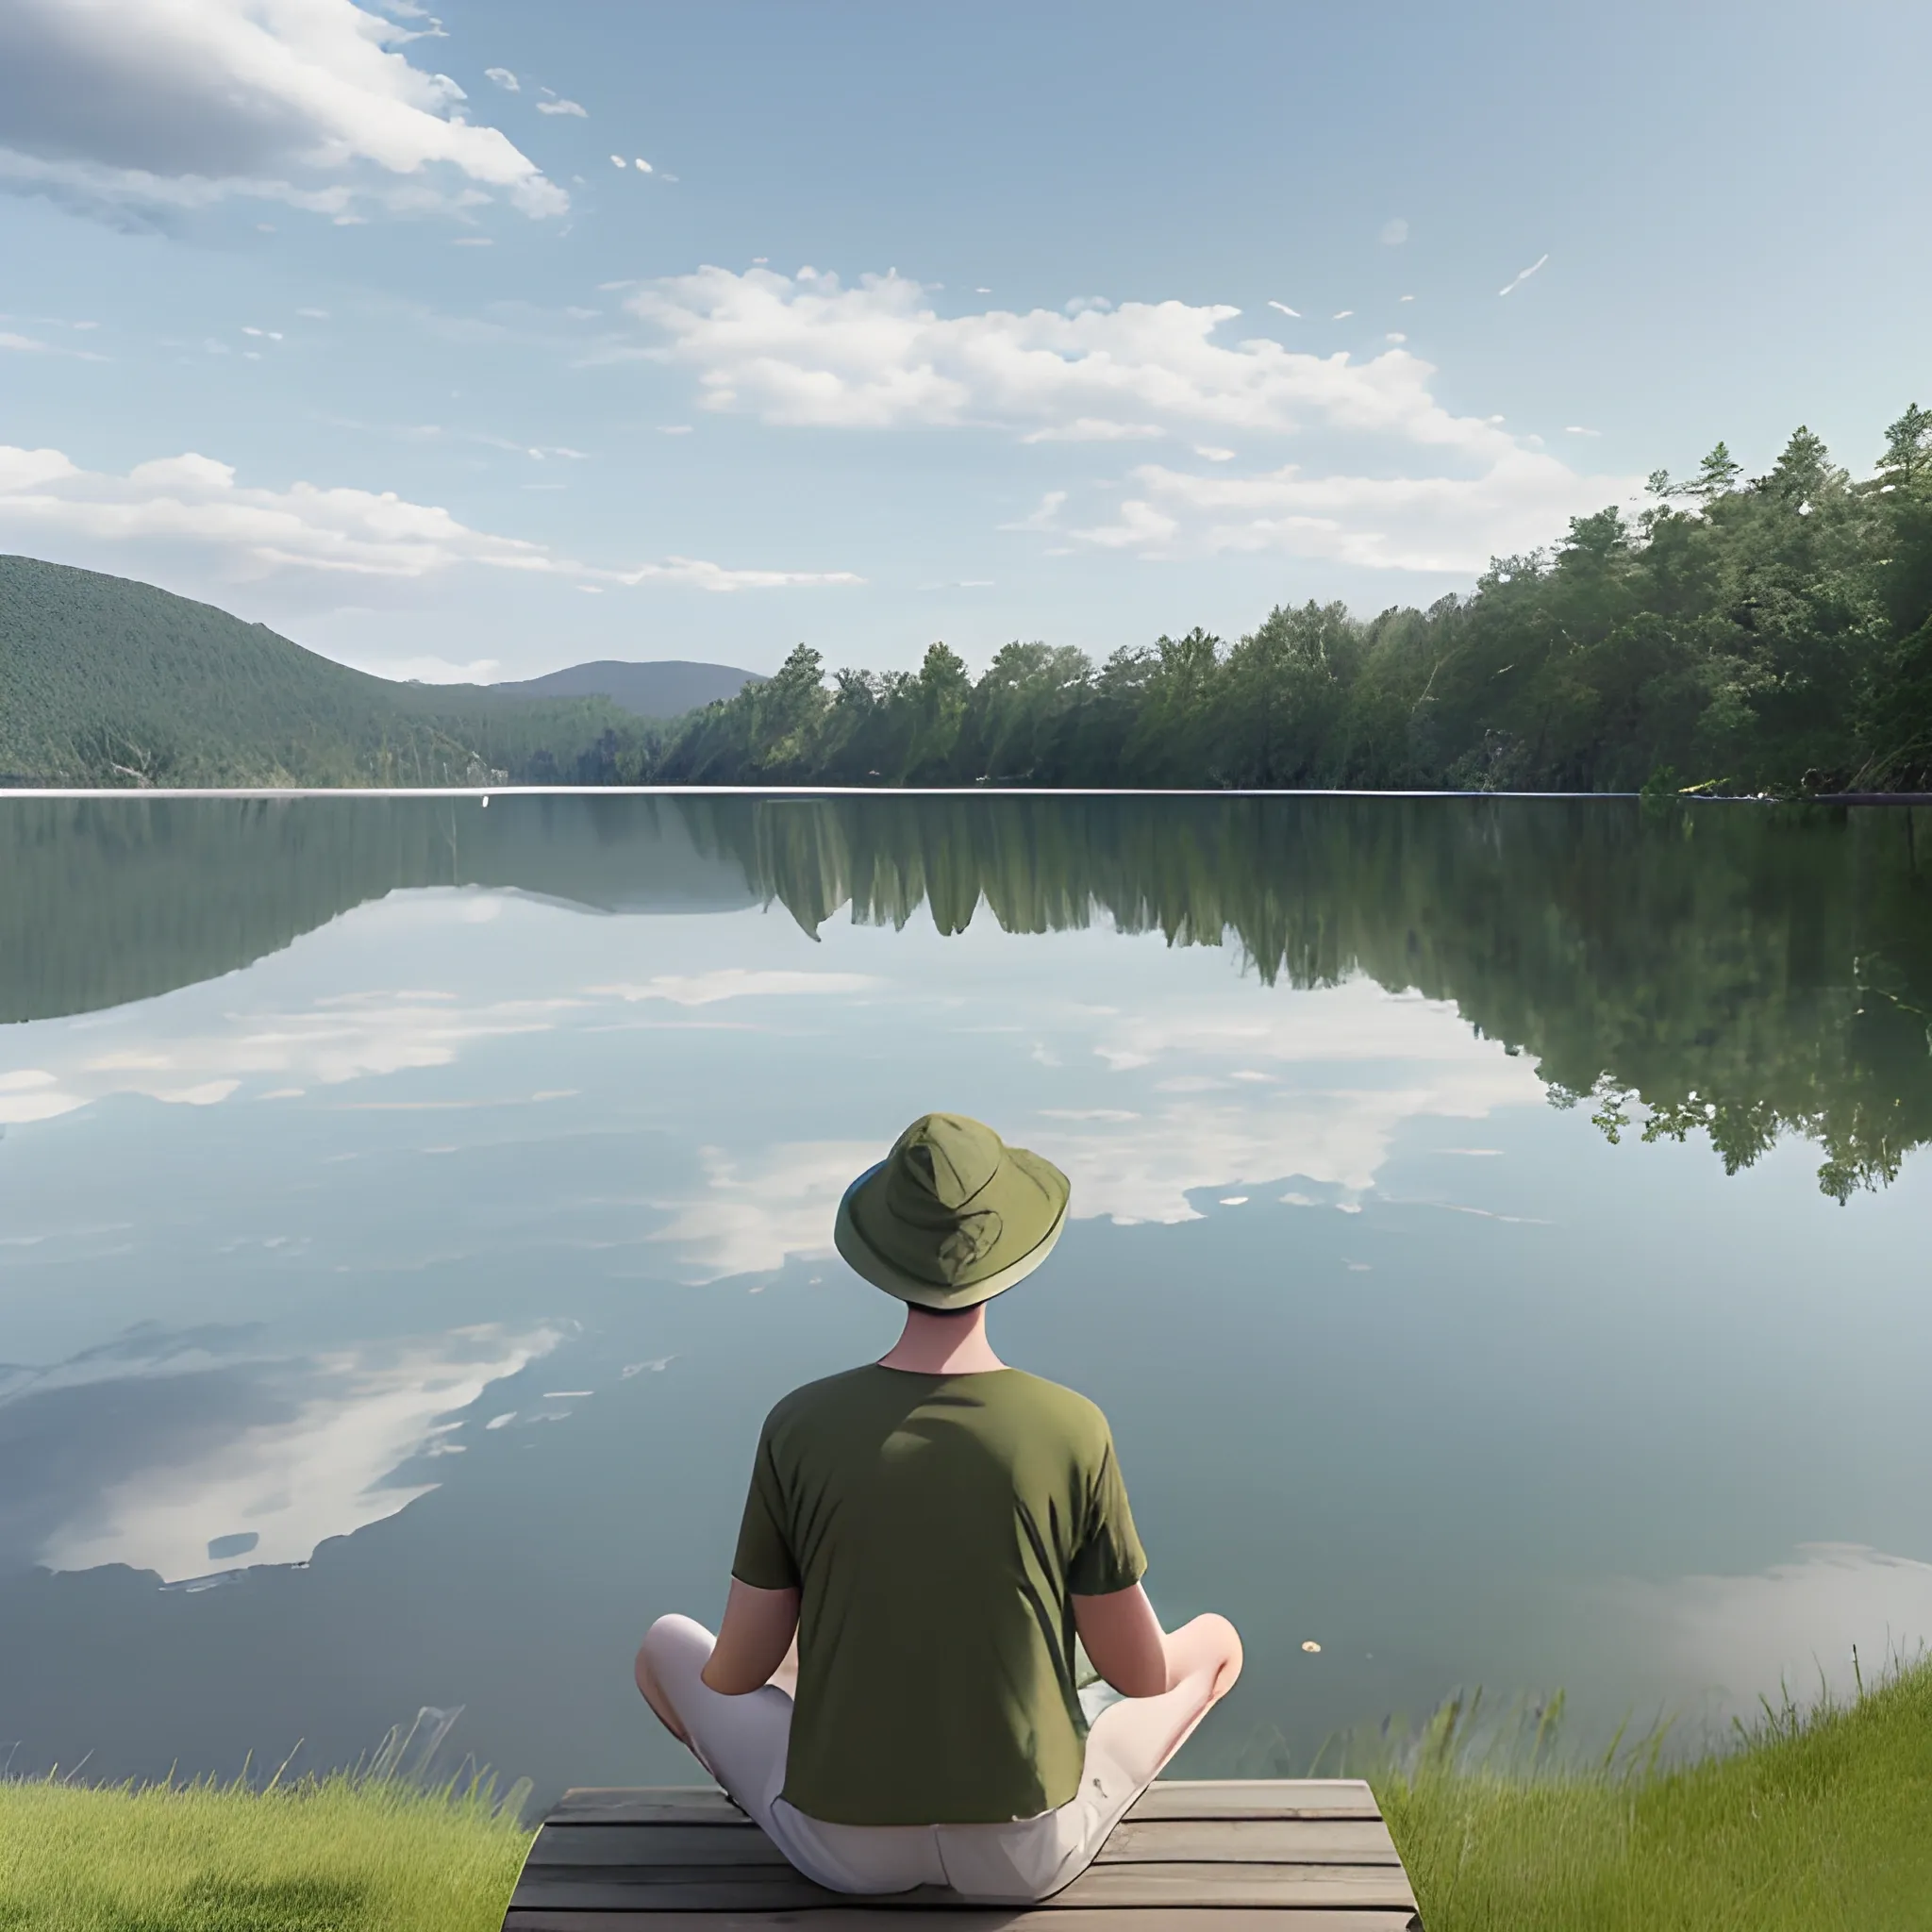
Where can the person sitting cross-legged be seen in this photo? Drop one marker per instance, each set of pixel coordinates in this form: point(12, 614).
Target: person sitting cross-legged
point(892, 1694)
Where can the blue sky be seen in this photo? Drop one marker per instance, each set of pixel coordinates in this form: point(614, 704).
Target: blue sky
point(923, 323)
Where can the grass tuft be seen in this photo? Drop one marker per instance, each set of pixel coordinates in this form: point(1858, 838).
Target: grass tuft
point(1819, 1820)
point(332, 1855)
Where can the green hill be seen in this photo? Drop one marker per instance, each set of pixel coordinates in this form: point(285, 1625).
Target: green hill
point(104, 681)
point(663, 688)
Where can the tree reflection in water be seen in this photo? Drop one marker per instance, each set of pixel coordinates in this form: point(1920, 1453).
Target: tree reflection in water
point(1741, 970)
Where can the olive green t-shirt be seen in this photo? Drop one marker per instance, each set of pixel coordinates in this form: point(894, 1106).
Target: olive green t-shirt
point(936, 1527)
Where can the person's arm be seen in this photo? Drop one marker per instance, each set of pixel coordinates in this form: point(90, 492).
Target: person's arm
point(753, 1639)
point(1125, 1641)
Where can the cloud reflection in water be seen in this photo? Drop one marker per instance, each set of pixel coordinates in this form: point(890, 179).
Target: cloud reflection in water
point(164, 1448)
point(1725, 1640)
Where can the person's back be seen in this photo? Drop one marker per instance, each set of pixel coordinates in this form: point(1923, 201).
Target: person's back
point(938, 1527)
point(934, 1532)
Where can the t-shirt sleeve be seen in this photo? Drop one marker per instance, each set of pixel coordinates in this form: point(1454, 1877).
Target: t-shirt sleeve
point(1111, 1556)
point(764, 1559)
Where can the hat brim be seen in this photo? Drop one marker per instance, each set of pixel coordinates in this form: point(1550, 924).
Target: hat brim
point(865, 1259)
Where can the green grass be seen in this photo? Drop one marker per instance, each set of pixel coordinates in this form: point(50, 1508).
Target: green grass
point(1819, 1821)
point(341, 1854)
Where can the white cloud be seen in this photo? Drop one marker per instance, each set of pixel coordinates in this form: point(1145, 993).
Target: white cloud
point(1436, 523)
point(563, 107)
point(695, 573)
point(32, 345)
point(1523, 274)
point(736, 982)
point(1432, 491)
point(192, 504)
point(1138, 526)
point(139, 107)
point(1394, 232)
point(1044, 516)
point(504, 78)
point(1095, 430)
point(804, 349)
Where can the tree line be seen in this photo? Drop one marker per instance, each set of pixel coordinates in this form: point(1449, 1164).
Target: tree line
point(1739, 635)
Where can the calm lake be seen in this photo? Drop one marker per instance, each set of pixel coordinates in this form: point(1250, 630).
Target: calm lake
point(1501, 1239)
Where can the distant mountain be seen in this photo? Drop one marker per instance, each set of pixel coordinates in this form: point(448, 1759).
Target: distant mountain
point(104, 681)
point(665, 689)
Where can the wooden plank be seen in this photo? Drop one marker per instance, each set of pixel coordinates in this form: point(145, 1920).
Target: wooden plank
point(1165, 1798)
point(852, 1918)
point(742, 1843)
point(1238, 1885)
point(1282, 1797)
point(725, 1889)
point(1177, 1840)
point(645, 1804)
point(1251, 1841)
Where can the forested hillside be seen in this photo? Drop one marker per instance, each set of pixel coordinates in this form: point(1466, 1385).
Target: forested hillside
point(108, 682)
point(1772, 633)
point(1739, 635)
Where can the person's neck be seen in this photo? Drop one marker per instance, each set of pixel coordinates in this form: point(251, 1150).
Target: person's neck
point(943, 1344)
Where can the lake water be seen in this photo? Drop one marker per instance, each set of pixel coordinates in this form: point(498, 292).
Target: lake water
point(408, 1209)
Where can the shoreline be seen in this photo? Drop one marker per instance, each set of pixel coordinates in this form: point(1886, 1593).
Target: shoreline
point(1819, 1820)
point(1841, 799)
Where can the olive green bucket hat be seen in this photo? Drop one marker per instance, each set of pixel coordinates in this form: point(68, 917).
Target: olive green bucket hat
point(951, 1216)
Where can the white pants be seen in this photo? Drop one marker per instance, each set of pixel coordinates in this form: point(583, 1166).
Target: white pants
point(741, 1741)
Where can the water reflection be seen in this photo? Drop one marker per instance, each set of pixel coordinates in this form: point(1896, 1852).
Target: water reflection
point(1710, 1647)
point(1733, 971)
point(172, 1452)
point(438, 1204)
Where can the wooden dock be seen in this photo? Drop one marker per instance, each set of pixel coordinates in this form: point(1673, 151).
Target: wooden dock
point(1290, 1855)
